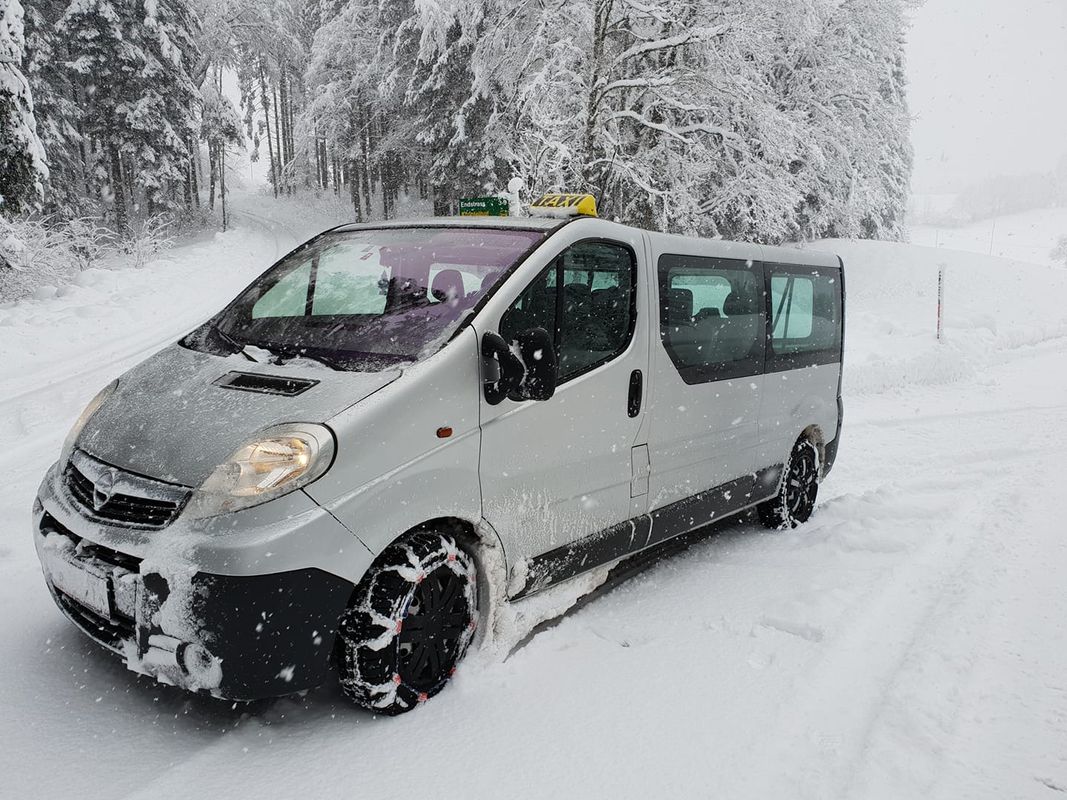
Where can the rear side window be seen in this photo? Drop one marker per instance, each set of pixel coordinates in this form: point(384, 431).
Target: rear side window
point(805, 316)
point(711, 317)
point(592, 318)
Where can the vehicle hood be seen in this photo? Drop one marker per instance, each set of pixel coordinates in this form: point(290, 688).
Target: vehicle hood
point(168, 419)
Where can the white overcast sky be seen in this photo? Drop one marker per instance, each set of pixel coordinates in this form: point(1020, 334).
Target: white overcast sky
point(988, 89)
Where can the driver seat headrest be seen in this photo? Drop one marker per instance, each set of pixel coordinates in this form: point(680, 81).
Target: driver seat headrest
point(448, 285)
point(735, 305)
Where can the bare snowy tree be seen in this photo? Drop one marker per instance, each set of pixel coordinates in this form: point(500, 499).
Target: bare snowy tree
point(766, 120)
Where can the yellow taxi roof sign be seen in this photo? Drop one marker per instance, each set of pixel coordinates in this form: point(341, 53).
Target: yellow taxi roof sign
point(564, 205)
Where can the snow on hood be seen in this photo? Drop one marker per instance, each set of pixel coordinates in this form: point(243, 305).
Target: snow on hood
point(168, 420)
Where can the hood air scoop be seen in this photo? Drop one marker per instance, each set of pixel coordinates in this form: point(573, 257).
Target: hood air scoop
point(264, 384)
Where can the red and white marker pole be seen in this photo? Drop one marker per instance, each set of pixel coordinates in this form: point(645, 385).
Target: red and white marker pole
point(941, 303)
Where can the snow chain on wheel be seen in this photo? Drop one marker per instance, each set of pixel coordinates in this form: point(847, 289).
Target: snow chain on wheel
point(409, 623)
point(795, 501)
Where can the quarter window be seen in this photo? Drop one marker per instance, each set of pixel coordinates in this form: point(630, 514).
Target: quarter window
point(805, 308)
point(711, 320)
point(591, 320)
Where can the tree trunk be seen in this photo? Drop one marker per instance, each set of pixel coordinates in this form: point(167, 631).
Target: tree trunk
point(266, 116)
point(278, 137)
point(214, 176)
point(287, 148)
point(194, 170)
point(601, 21)
point(325, 164)
point(128, 171)
point(386, 184)
point(322, 176)
point(222, 182)
point(118, 190)
point(353, 188)
point(365, 162)
point(442, 203)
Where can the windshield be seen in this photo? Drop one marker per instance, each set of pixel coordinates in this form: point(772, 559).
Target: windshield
point(367, 299)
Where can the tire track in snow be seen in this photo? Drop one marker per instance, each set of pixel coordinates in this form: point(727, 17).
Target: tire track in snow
point(868, 671)
point(271, 226)
point(58, 390)
point(61, 374)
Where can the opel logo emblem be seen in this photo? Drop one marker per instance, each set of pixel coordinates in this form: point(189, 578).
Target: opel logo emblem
point(103, 489)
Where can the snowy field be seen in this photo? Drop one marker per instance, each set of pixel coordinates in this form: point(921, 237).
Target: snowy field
point(909, 642)
point(1028, 236)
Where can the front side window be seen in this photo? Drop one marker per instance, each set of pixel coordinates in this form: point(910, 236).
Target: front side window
point(591, 319)
point(368, 299)
point(710, 317)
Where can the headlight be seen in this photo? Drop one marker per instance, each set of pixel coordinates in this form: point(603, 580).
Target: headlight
point(86, 415)
point(273, 463)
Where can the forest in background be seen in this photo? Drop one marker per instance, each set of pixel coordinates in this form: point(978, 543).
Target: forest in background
point(760, 120)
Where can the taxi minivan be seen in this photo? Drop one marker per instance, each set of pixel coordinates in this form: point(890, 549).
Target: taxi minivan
point(401, 426)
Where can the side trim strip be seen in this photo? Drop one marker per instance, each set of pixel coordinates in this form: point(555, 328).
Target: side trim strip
point(636, 534)
point(714, 504)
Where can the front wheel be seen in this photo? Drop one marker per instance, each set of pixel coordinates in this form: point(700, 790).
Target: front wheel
point(409, 623)
point(795, 501)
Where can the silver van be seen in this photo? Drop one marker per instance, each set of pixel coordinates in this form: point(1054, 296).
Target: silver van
point(402, 426)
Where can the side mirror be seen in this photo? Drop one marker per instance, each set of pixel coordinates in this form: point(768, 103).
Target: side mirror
point(538, 354)
point(506, 375)
point(502, 371)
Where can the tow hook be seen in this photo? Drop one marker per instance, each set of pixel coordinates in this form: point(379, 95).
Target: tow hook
point(182, 663)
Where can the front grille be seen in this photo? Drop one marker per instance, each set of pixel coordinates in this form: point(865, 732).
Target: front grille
point(129, 500)
point(122, 508)
point(113, 558)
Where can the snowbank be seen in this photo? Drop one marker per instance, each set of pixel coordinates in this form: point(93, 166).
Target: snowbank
point(992, 305)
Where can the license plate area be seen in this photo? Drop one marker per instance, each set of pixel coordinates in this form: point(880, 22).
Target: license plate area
point(83, 581)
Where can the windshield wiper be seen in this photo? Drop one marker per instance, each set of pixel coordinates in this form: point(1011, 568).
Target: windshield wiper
point(282, 355)
point(325, 361)
point(258, 354)
point(236, 345)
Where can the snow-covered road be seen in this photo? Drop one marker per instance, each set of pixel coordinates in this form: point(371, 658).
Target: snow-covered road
point(908, 642)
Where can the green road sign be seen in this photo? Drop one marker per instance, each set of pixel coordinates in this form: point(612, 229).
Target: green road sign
point(483, 207)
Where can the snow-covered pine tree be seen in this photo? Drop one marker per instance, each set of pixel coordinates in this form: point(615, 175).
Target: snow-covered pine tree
point(132, 59)
point(56, 106)
point(161, 115)
point(219, 127)
point(355, 101)
point(268, 46)
point(345, 76)
point(443, 112)
point(22, 159)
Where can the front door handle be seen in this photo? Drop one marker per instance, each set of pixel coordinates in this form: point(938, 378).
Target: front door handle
point(633, 401)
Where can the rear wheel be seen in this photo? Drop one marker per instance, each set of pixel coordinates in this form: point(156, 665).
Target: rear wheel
point(409, 623)
point(795, 501)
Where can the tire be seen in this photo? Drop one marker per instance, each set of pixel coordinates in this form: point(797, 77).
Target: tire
point(795, 501)
point(409, 623)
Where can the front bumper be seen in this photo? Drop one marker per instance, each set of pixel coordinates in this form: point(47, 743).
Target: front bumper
point(239, 637)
